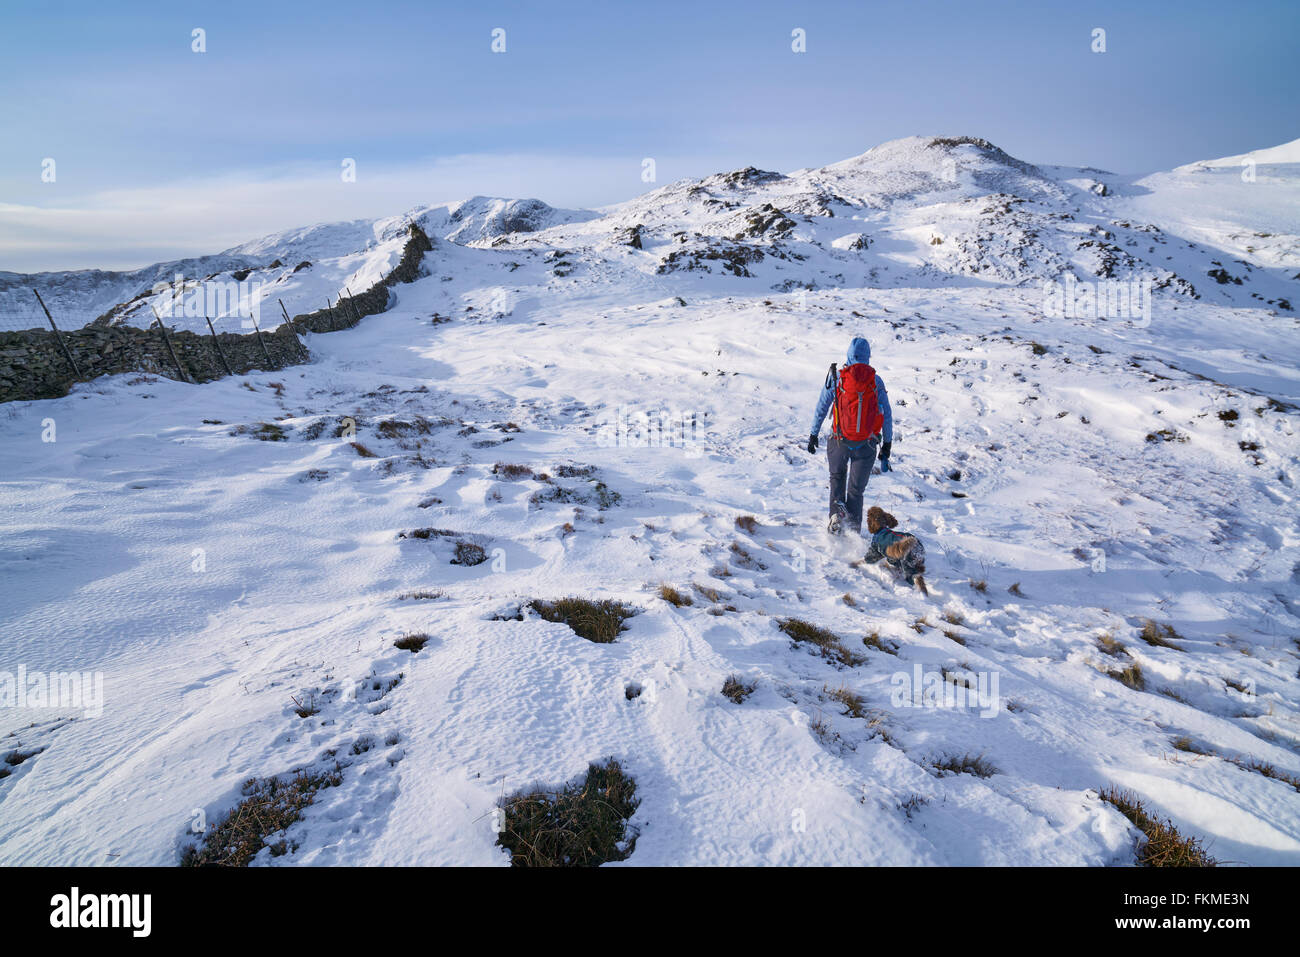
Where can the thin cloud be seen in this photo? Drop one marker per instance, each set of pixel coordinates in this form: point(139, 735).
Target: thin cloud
point(129, 228)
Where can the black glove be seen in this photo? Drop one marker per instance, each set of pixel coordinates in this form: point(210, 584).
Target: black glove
point(884, 456)
point(812, 444)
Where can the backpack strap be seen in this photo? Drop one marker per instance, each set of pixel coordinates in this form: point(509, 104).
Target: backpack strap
point(833, 382)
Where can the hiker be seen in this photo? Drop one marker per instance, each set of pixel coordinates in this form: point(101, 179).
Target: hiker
point(862, 424)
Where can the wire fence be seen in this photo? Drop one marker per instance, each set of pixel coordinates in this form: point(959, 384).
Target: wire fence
point(21, 321)
point(40, 347)
point(17, 321)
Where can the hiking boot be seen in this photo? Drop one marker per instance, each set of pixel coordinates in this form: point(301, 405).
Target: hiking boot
point(838, 518)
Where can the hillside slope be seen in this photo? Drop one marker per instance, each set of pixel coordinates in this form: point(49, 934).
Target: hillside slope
point(224, 554)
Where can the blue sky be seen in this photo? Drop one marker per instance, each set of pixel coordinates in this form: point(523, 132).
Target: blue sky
point(162, 152)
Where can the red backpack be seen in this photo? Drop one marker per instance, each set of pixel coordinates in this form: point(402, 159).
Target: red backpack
point(856, 414)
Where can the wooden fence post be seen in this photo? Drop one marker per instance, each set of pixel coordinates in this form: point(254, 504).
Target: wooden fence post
point(353, 303)
point(58, 335)
point(299, 348)
point(179, 368)
point(216, 342)
point(262, 342)
point(293, 330)
point(286, 317)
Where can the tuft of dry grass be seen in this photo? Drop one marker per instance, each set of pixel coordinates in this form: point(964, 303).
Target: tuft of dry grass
point(1015, 590)
point(263, 431)
point(912, 805)
point(1186, 744)
point(16, 757)
point(1164, 846)
point(598, 621)
point(975, 764)
point(827, 642)
point(421, 594)
point(824, 732)
point(981, 585)
point(575, 471)
point(1109, 644)
point(674, 597)
point(711, 594)
point(269, 807)
point(1268, 770)
point(412, 642)
point(873, 640)
point(362, 451)
point(744, 559)
point(468, 554)
point(850, 600)
point(512, 472)
point(1130, 677)
point(854, 704)
point(583, 824)
point(747, 523)
point(964, 678)
point(1159, 635)
point(347, 426)
point(400, 428)
point(425, 534)
point(737, 689)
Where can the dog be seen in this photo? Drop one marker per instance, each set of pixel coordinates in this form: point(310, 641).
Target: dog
point(899, 550)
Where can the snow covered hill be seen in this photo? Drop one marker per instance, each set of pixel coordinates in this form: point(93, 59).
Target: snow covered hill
point(920, 211)
point(605, 402)
point(1282, 153)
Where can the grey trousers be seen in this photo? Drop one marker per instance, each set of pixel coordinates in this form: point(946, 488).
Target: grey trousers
point(850, 469)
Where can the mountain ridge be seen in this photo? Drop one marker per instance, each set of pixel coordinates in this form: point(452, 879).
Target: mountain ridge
point(915, 210)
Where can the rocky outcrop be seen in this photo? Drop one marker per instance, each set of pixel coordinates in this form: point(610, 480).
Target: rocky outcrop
point(631, 236)
point(764, 220)
point(745, 178)
point(734, 258)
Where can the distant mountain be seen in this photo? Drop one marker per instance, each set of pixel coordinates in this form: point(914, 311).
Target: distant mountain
point(918, 211)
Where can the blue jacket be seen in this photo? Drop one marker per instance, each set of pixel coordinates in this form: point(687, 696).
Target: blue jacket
point(859, 351)
point(881, 541)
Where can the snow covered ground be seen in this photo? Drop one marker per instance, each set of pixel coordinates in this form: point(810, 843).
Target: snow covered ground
point(1112, 470)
